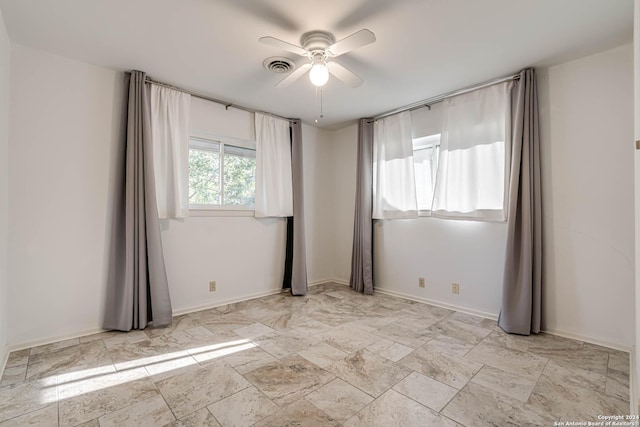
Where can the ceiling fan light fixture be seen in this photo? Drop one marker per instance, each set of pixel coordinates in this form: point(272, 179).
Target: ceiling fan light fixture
point(318, 46)
point(319, 74)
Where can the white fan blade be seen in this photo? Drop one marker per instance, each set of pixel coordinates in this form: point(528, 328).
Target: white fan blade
point(343, 74)
point(354, 41)
point(295, 75)
point(272, 41)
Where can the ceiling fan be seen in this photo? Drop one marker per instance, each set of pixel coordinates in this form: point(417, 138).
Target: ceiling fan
point(319, 47)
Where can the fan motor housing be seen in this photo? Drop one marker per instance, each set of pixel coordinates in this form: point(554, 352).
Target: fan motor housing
point(317, 40)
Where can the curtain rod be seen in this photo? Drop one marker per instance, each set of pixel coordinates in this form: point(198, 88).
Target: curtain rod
point(439, 98)
point(226, 104)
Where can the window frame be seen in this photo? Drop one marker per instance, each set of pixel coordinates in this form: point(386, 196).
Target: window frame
point(197, 209)
point(422, 143)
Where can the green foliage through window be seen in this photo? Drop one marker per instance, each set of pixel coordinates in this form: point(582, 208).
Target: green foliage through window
point(239, 180)
point(221, 174)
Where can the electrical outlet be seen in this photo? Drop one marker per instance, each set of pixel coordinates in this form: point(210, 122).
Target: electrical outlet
point(455, 288)
point(421, 282)
point(212, 286)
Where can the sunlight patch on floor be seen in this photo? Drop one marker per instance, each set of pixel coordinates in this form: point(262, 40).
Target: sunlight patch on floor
point(76, 383)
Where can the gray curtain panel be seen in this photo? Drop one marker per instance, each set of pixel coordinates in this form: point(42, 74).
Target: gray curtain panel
point(138, 292)
point(362, 253)
point(522, 287)
point(299, 263)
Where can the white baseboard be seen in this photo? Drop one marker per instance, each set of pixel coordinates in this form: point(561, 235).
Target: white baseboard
point(633, 386)
point(215, 304)
point(319, 282)
point(333, 280)
point(84, 333)
point(440, 304)
point(178, 312)
point(491, 316)
point(45, 341)
point(4, 359)
point(587, 339)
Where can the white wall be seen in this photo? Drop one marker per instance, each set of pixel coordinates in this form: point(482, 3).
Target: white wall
point(244, 255)
point(586, 116)
point(65, 121)
point(469, 253)
point(341, 170)
point(586, 125)
point(319, 209)
point(442, 251)
point(5, 60)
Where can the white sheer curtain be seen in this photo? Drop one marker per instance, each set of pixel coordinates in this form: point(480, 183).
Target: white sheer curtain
point(394, 182)
point(472, 167)
point(274, 197)
point(170, 140)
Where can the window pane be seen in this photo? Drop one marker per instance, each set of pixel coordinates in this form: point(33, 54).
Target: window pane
point(425, 162)
point(204, 177)
point(425, 165)
point(239, 176)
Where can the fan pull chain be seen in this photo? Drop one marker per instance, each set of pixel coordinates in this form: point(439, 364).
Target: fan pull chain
point(319, 96)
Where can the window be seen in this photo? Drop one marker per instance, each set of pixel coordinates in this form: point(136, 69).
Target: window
point(459, 171)
point(222, 175)
point(425, 160)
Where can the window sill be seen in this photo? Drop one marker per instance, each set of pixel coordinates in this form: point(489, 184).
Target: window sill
point(221, 212)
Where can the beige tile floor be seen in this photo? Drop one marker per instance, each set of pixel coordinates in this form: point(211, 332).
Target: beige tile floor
point(334, 357)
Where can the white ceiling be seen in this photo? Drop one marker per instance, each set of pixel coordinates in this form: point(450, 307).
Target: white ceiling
point(424, 47)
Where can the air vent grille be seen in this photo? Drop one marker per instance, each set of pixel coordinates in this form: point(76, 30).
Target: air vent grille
point(279, 64)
